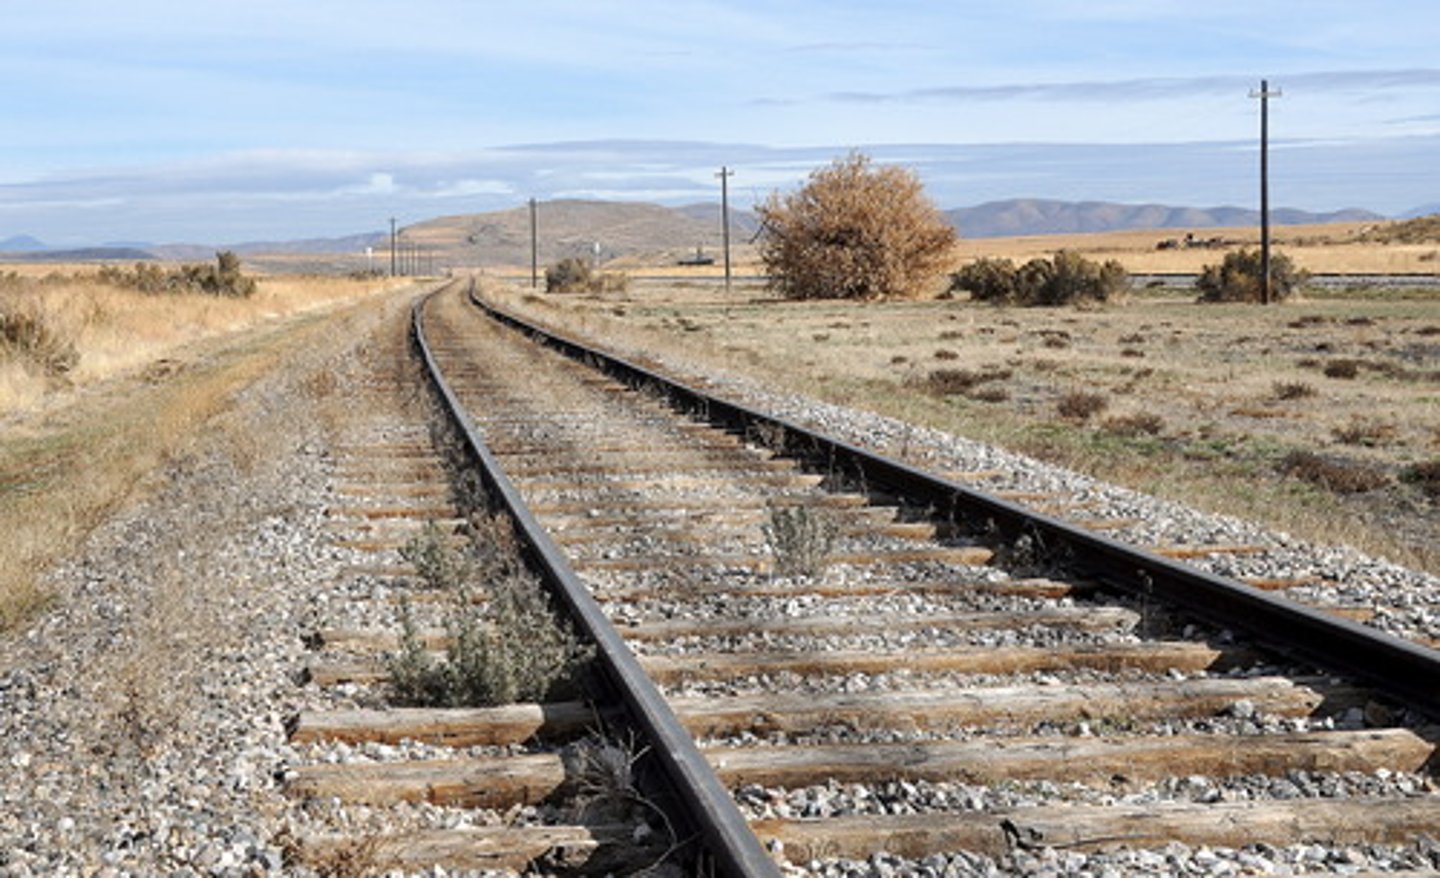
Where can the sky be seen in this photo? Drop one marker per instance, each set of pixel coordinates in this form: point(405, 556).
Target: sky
point(223, 122)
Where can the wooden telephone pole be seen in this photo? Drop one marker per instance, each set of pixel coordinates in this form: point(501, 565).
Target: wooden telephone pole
point(1265, 94)
point(725, 175)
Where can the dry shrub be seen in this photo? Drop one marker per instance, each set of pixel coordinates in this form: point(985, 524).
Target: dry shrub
point(224, 278)
point(1340, 475)
point(801, 538)
point(575, 275)
point(1345, 369)
point(946, 354)
point(1424, 475)
point(948, 382)
point(989, 393)
point(1137, 424)
point(1080, 405)
point(1292, 390)
point(1365, 431)
point(341, 858)
point(854, 231)
point(28, 335)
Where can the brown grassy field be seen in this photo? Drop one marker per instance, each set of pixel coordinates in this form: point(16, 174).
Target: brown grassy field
point(1340, 248)
point(114, 330)
point(1320, 416)
point(151, 371)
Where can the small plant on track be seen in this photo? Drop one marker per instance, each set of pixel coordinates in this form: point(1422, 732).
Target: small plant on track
point(801, 538)
point(440, 564)
point(516, 649)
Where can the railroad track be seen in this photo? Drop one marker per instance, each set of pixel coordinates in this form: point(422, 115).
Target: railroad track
point(954, 679)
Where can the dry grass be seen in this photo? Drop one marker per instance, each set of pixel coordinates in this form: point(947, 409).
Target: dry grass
point(74, 458)
point(117, 330)
point(1327, 248)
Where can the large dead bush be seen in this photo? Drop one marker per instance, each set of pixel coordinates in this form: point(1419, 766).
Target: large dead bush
point(854, 231)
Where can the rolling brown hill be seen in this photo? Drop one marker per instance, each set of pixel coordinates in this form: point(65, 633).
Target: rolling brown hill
point(567, 228)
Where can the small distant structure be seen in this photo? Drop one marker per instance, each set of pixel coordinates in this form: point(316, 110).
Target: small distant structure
point(1191, 242)
point(699, 258)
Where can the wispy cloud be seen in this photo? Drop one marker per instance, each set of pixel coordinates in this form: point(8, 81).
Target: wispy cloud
point(275, 194)
point(1143, 89)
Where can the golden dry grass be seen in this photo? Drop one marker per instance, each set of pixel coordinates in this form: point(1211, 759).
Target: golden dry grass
point(117, 330)
point(1202, 402)
point(158, 369)
point(1331, 248)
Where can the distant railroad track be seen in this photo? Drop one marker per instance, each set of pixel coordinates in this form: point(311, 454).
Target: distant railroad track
point(1184, 279)
point(965, 676)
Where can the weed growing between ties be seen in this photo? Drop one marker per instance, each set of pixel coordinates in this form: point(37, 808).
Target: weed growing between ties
point(801, 538)
point(436, 561)
point(514, 649)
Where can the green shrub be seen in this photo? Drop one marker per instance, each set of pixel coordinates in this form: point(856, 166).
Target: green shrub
point(1067, 278)
point(987, 280)
point(1238, 278)
point(441, 565)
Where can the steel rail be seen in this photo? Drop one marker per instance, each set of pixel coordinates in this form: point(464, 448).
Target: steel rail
point(709, 810)
point(1402, 669)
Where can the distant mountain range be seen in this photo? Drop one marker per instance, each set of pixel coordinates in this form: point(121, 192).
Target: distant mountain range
point(576, 228)
point(1034, 216)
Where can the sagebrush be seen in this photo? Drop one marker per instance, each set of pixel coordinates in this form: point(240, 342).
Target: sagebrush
point(1240, 278)
point(514, 649)
point(224, 278)
point(801, 539)
point(26, 334)
point(1067, 278)
point(574, 275)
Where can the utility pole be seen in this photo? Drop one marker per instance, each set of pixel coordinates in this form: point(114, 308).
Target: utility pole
point(534, 249)
point(725, 175)
point(392, 246)
point(1265, 94)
